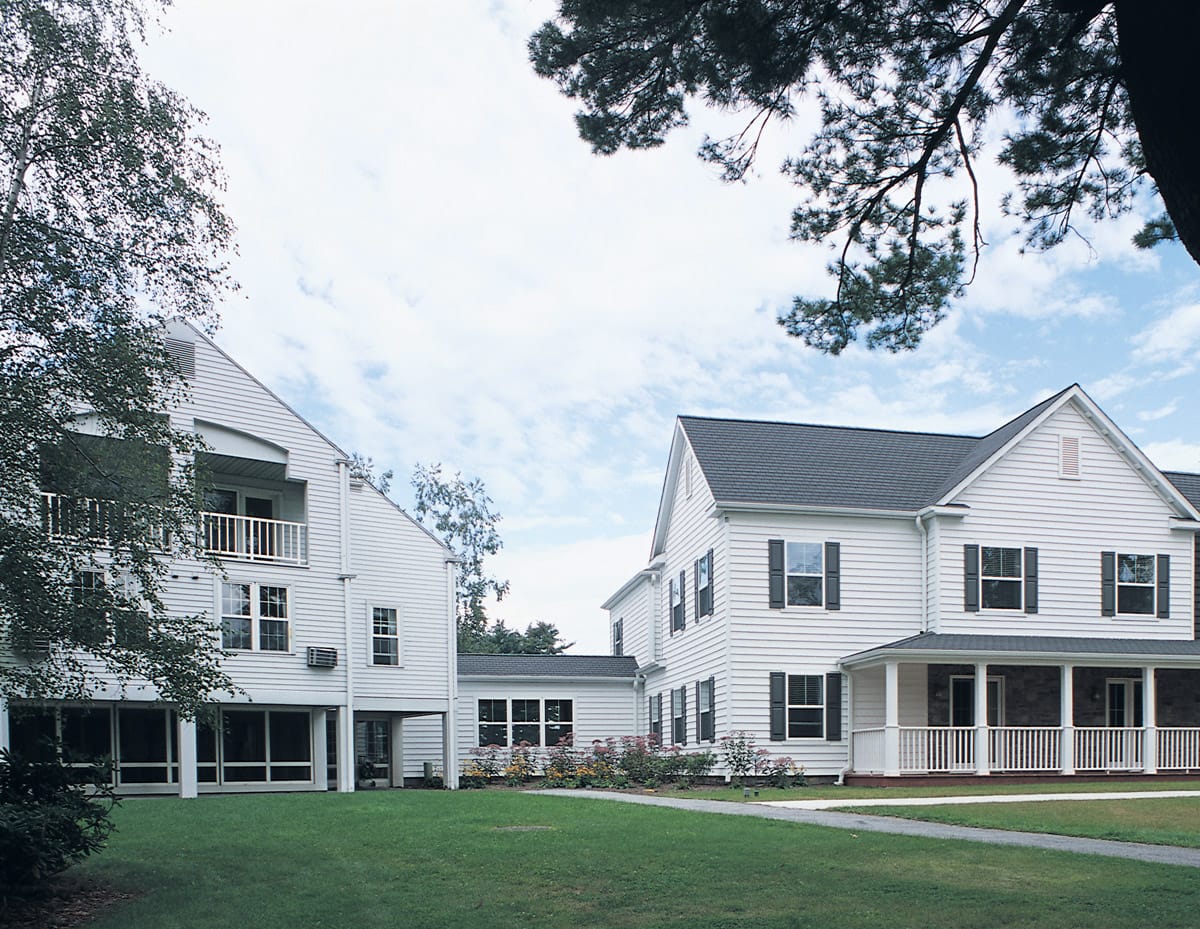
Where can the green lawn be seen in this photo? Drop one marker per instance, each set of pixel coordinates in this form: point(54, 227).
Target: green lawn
point(905, 790)
point(429, 859)
point(1158, 822)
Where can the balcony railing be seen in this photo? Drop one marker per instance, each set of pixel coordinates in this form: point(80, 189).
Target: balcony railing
point(1113, 748)
point(1025, 748)
point(937, 749)
point(250, 538)
point(102, 521)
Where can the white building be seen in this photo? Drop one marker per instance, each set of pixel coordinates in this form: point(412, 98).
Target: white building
point(874, 602)
point(338, 610)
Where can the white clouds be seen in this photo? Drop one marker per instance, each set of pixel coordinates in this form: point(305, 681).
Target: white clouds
point(1174, 455)
point(435, 268)
point(1170, 338)
point(1148, 416)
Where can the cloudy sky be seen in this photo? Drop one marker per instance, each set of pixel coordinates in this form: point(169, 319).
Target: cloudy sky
point(435, 268)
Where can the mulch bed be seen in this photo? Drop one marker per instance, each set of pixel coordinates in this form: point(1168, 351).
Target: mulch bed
point(65, 902)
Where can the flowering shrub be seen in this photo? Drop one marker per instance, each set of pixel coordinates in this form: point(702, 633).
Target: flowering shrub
point(782, 772)
point(483, 765)
point(738, 750)
point(521, 767)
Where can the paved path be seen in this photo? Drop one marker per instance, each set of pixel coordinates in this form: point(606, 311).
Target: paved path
point(972, 798)
point(860, 822)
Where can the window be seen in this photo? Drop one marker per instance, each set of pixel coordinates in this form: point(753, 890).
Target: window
point(705, 710)
point(618, 638)
point(677, 603)
point(679, 716)
point(246, 606)
point(533, 721)
point(704, 597)
point(656, 716)
point(805, 574)
point(1000, 578)
point(1135, 584)
point(385, 636)
point(805, 706)
point(257, 746)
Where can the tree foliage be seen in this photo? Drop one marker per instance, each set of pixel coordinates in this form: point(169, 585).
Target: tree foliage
point(540, 638)
point(109, 225)
point(363, 468)
point(460, 513)
point(1085, 91)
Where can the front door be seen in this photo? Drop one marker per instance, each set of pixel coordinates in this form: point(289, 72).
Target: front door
point(1123, 710)
point(259, 537)
point(962, 701)
point(373, 752)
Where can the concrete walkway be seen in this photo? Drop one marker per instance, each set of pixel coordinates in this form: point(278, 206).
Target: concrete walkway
point(860, 822)
point(970, 798)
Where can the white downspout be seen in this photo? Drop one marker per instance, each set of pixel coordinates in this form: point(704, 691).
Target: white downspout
point(346, 771)
point(924, 572)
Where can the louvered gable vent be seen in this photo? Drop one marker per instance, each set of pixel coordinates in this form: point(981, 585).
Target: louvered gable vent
point(182, 355)
point(1068, 456)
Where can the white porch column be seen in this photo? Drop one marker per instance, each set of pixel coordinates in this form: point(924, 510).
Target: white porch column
point(320, 748)
point(345, 738)
point(449, 753)
point(189, 780)
point(396, 743)
point(891, 719)
point(1066, 718)
point(1149, 721)
point(982, 740)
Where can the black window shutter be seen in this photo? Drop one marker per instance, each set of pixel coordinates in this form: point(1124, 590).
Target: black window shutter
point(1164, 586)
point(833, 575)
point(1031, 580)
point(971, 578)
point(775, 570)
point(699, 719)
point(682, 600)
point(778, 706)
point(658, 706)
point(711, 735)
point(1108, 583)
point(696, 588)
point(833, 707)
point(650, 715)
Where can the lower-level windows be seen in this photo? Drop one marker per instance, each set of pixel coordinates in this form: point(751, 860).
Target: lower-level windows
point(256, 746)
point(805, 706)
point(679, 716)
point(533, 721)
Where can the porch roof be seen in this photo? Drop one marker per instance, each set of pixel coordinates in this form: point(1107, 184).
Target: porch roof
point(942, 648)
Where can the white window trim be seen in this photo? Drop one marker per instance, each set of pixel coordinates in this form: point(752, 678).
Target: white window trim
point(679, 694)
point(1152, 613)
point(807, 607)
point(255, 617)
point(1018, 610)
point(117, 581)
point(371, 607)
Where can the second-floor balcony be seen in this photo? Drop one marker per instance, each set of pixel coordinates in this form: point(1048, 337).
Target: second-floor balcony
point(254, 538)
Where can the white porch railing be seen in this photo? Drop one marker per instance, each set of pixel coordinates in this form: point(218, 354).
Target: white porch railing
point(99, 520)
point(868, 750)
point(936, 749)
point(250, 538)
point(1178, 749)
point(1109, 748)
point(1025, 748)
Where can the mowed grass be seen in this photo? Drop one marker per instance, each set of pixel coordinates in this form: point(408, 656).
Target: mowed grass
point(426, 860)
point(1163, 821)
point(829, 792)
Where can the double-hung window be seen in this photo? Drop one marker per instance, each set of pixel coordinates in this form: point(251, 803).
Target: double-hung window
point(706, 710)
point(679, 716)
point(704, 585)
point(805, 706)
point(1135, 584)
point(805, 574)
point(1000, 578)
point(255, 617)
point(677, 621)
point(618, 638)
point(385, 635)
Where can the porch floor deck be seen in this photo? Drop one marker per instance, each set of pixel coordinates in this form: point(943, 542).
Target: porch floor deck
point(947, 780)
point(977, 798)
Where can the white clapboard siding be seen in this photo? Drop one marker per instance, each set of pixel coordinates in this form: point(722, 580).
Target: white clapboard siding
point(633, 608)
point(1021, 501)
point(397, 564)
point(422, 743)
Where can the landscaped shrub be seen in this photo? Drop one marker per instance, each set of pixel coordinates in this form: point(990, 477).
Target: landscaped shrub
point(48, 819)
point(738, 750)
point(483, 765)
point(521, 767)
point(782, 771)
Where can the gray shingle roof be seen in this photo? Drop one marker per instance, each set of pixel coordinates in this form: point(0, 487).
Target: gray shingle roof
point(1046, 644)
point(1187, 484)
point(547, 665)
point(795, 464)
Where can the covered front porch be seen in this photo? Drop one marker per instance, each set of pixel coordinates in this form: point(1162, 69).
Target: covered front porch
point(937, 705)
